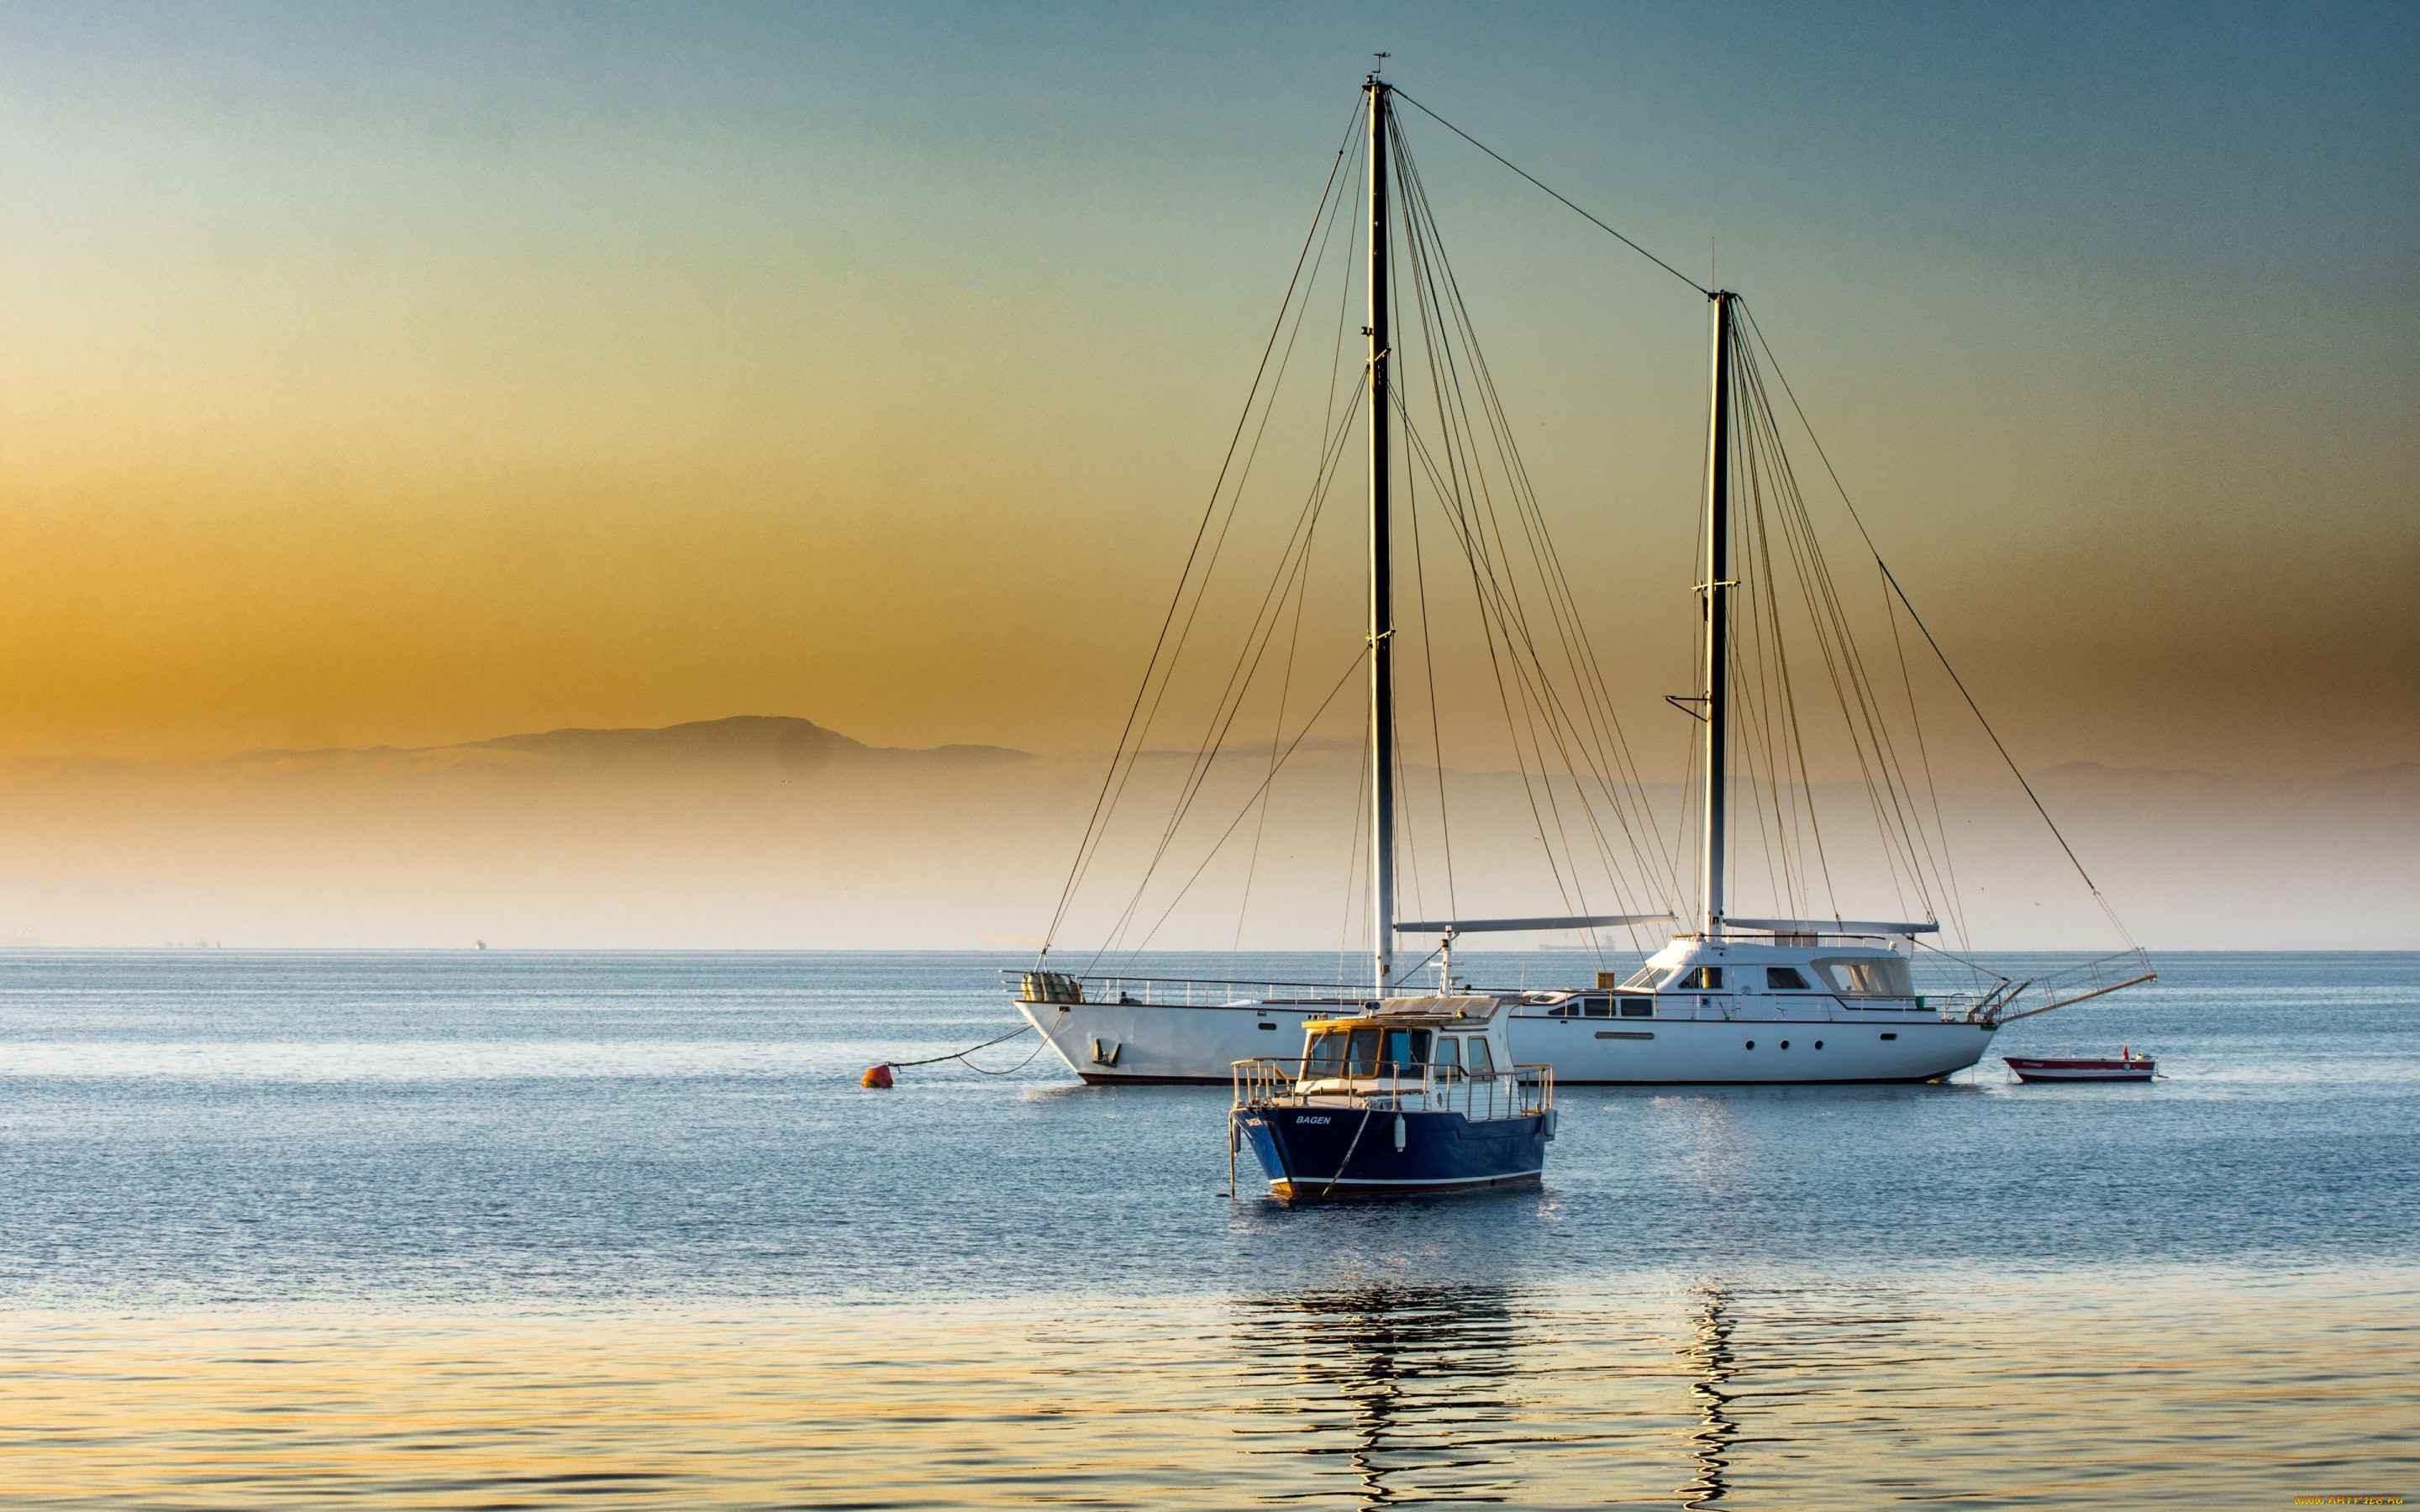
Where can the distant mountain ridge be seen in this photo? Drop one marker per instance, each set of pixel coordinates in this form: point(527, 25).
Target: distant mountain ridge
point(781, 741)
point(771, 832)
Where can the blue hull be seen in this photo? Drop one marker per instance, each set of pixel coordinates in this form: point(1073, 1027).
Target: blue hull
point(1315, 1152)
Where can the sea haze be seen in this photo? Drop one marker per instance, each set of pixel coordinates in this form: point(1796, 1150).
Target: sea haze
point(747, 832)
point(643, 1179)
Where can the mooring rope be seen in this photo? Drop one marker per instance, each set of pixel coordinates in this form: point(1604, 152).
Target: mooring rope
point(962, 1055)
point(1348, 1153)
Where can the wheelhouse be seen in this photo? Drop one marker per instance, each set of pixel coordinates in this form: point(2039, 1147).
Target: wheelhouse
point(1407, 1052)
point(1358, 1049)
point(1852, 973)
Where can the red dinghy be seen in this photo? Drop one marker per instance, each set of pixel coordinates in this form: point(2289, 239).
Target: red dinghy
point(2128, 1067)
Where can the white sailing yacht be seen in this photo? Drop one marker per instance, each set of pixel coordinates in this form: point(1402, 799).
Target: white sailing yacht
point(1729, 999)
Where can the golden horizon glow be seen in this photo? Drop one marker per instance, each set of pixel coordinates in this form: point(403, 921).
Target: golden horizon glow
point(424, 382)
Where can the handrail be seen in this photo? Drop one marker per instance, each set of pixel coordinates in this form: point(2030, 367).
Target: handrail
point(1518, 1091)
point(1352, 999)
point(2066, 987)
point(1191, 992)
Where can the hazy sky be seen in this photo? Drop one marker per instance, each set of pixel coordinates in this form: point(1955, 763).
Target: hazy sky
point(425, 373)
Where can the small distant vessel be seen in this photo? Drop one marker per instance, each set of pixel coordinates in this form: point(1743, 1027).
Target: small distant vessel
point(2128, 1067)
point(1414, 1095)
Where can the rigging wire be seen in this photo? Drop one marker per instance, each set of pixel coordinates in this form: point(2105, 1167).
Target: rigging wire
point(1293, 566)
point(1087, 846)
point(1900, 593)
point(1241, 675)
point(1543, 728)
point(1957, 907)
point(1355, 853)
point(1888, 789)
point(1559, 198)
point(1428, 666)
point(1563, 605)
point(1277, 730)
point(1328, 426)
point(1146, 943)
point(1255, 645)
point(1445, 323)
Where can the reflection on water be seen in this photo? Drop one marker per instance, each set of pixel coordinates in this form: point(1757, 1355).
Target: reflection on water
point(428, 1232)
point(1410, 1390)
point(2177, 1392)
point(1710, 1357)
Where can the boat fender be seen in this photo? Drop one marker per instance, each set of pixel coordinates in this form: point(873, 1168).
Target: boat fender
point(1399, 1133)
point(875, 1076)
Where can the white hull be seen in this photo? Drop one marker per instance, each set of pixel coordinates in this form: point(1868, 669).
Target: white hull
point(1141, 1042)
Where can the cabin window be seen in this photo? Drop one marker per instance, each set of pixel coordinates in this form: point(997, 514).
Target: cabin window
point(1600, 1007)
point(1447, 1059)
point(1638, 1008)
point(1362, 1058)
point(1327, 1054)
point(1784, 979)
point(1405, 1048)
point(1563, 1011)
point(1482, 1060)
point(1704, 979)
point(1645, 977)
point(1876, 976)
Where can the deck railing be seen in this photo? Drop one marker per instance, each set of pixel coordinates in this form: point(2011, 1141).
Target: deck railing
point(1520, 1091)
point(2008, 1000)
point(1349, 999)
point(1182, 992)
point(2070, 984)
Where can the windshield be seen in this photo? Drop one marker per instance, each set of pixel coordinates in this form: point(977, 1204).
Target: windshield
point(1362, 1060)
point(1648, 977)
point(1367, 1052)
point(1327, 1057)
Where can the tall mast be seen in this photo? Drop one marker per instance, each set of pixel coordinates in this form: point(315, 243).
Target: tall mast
point(1382, 597)
point(1716, 589)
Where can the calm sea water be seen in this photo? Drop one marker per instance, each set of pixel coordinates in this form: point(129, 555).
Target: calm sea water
point(522, 1230)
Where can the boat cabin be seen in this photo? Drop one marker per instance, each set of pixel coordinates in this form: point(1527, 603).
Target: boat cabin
point(1436, 1053)
point(1777, 964)
point(1441, 1039)
point(1794, 975)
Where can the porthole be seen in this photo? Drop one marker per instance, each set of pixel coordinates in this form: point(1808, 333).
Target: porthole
point(1785, 1044)
point(1890, 1036)
point(1818, 1044)
point(1751, 1045)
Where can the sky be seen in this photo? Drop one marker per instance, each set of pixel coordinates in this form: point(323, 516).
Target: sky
point(419, 374)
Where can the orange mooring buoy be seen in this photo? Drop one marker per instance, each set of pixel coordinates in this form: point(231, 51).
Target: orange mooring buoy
point(875, 1076)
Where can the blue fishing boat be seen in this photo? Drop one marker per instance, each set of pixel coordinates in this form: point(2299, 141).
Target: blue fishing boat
point(1411, 1095)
